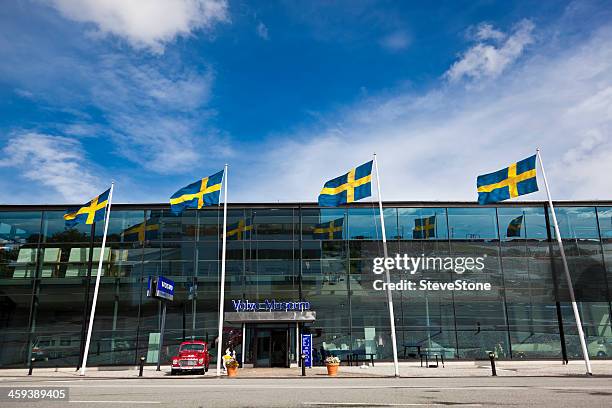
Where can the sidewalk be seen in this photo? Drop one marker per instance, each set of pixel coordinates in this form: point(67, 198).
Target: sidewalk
point(412, 369)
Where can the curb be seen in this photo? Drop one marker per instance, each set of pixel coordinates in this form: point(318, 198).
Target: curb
point(173, 378)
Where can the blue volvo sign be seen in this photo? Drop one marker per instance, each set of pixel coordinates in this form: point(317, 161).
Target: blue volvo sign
point(307, 349)
point(161, 288)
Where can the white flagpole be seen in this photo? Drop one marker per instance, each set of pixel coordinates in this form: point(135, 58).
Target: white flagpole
point(97, 287)
point(222, 292)
point(386, 254)
point(570, 287)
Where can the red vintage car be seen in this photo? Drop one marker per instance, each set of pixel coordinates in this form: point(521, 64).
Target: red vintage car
point(192, 357)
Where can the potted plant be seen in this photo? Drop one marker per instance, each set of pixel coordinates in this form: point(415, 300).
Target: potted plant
point(232, 367)
point(332, 363)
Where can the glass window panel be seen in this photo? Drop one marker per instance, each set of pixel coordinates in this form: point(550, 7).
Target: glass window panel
point(364, 223)
point(209, 272)
point(173, 227)
point(332, 309)
point(272, 279)
point(534, 330)
point(583, 250)
point(211, 223)
point(375, 302)
point(595, 318)
point(605, 227)
point(472, 223)
point(272, 267)
point(124, 226)
point(273, 223)
point(19, 227)
point(311, 218)
point(576, 223)
point(58, 323)
point(18, 261)
point(425, 324)
point(532, 322)
point(481, 327)
point(15, 299)
point(429, 248)
point(414, 223)
point(532, 225)
point(323, 249)
point(114, 333)
point(209, 251)
point(55, 230)
point(371, 249)
point(177, 251)
point(332, 340)
point(604, 214)
point(323, 276)
point(272, 250)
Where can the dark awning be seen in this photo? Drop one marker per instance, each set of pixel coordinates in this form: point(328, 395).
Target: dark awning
point(306, 316)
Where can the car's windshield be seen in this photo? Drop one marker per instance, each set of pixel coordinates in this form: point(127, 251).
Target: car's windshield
point(192, 347)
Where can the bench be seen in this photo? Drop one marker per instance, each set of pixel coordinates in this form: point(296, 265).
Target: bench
point(354, 358)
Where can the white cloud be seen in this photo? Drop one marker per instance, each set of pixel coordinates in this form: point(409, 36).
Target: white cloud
point(162, 144)
point(396, 41)
point(24, 93)
point(119, 83)
point(486, 31)
point(591, 142)
point(152, 111)
point(156, 115)
point(54, 161)
point(146, 23)
point(432, 146)
point(82, 129)
point(490, 60)
point(600, 103)
point(262, 31)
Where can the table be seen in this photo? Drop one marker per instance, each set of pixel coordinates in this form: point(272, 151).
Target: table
point(416, 346)
point(354, 358)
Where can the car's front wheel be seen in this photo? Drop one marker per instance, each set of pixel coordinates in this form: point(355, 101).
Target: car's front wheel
point(172, 371)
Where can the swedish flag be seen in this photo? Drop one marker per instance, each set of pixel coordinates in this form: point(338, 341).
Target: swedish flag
point(349, 187)
point(240, 230)
point(515, 226)
point(202, 193)
point(517, 179)
point(144, 231)
point(424, 228)
point(93, 211)
point(329, 230)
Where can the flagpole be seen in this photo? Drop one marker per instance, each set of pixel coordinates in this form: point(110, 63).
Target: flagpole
point(222, 292)
point(570, 287)
point(97, 287)
point(386, 254)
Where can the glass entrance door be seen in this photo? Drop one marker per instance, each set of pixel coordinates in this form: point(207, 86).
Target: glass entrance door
point(262, 348)
point(271, 347)
point(279, 345)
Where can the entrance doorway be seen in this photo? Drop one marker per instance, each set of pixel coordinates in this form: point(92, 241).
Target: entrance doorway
point(270, 339)
point(271, 347)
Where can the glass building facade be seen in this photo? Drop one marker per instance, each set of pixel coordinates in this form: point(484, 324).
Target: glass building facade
point(46, 282)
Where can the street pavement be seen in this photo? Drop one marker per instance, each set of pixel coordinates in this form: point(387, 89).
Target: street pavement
point(319, 391)
point(407, 369)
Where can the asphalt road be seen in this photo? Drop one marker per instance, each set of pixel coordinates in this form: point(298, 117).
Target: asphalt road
point(324, 392)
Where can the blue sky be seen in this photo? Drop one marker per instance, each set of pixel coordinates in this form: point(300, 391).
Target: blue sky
point(155, 94)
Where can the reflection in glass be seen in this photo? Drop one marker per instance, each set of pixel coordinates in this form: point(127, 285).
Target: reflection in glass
point(43, 281)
